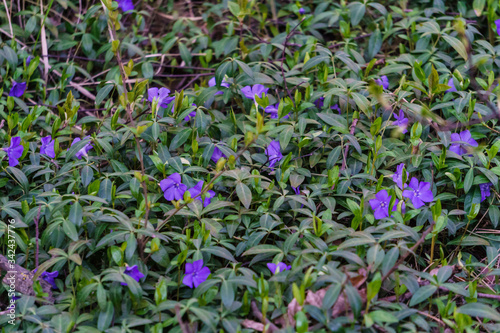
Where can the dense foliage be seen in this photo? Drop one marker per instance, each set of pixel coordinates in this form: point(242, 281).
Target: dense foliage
point(239, 166)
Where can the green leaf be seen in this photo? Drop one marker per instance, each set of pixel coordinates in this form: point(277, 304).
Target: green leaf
point(87, 175)
point(457, 45)
point(422, 294)
point(244, 194)
point(147, 70)
point(104, 93)
point(357, 11)
point(76, 214)
point(480, 310)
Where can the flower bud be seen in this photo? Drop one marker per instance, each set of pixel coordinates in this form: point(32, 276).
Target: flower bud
point(220, 164)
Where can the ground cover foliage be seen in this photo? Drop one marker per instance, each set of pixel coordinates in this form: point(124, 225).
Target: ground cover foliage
point(240, 166)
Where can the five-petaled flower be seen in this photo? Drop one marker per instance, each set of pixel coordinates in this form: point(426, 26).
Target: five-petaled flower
point(279, 267)
point(466, 138)
point(47, 147)
point(134, 273)
point(85, 150)
point(383, 81)
point(418, 193)
point(126, 5)
point(380, 204)
point(161, 96)
point(14, 151)
point(217, 154)
point(452, 86)
point(273, 152)
point(213, 83)
point(172, 187)
point(17, 89)
point(256, 90)
point(195, 190)
point(398, 176)
point(485, 190)
point(401, 121)
point(195, 274)
point(49, 277)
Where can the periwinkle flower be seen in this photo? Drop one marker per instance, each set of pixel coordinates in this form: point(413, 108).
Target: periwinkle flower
point(172, 187)
point(296, 190)
point(134, 273)
point(195, 274)
point(452, 86)
point(273, 152)
point(380, 204)
point(18, 89)
point(28, 61)
point(161, 96)
point(14, 151)
point(217, 154)
point(251, 91)
point(383, 81)
point(213, 83)
point(302, 11)
point(418, 193)
point(460, 148)
point(485, 190)
point(497, 24)
point(47, 147)
point(84, 151)
point(401, 121)
point(125, 5)
point(273, 111)
point(279, 267)
point(50, 278)
point(398, 176)
point(194, 191)
point(336, 107)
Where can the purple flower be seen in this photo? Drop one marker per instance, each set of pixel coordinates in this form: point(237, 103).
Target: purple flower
point(460, 148)
point(273, 153)
point(14, 151)
point(418, 193)
point(196, 274)
point(134, 273)
point(173, 188)
point(161, 96)
point(398, 176)
point(47, 147)
point(217, 154)
point(497, 24)
point(296, 190)
point(279, 267)
point(250, 92)
point(224, 83)
point(49, 277)
point(194, 191)
point(28, 61)
point(84, 151)
point(273, 110)
point(452, 86)
point(380, 204)
point(383, 81)
point(302, 11)
point(336, 107)
point(125, 5)
point(485, 190)
point(401, 121)
point(17, 89)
